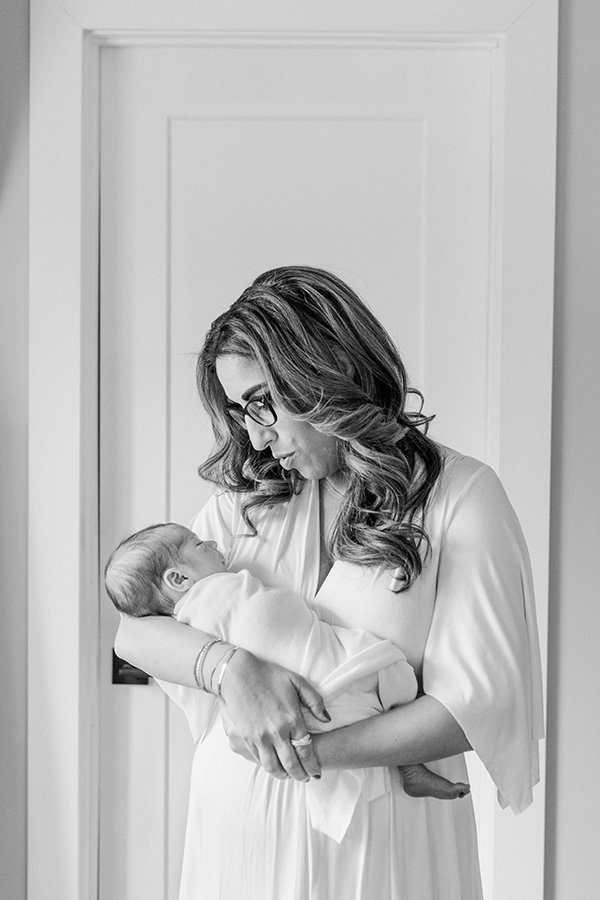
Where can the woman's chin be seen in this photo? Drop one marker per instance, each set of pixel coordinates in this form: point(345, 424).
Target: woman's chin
point(315, 472)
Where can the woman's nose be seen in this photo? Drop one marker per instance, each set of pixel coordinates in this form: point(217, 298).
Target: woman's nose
point(260, 435)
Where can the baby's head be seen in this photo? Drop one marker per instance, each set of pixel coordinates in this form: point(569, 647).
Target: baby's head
point(149, 571)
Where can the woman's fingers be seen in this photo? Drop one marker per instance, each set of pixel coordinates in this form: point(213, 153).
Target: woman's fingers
point(237, 744)
point(280, 758)
point(269, 760)
point(263, 707)
point(311, 698)
point(277, 757)
point(242, 748)
point(306, 756)
point(293, 762)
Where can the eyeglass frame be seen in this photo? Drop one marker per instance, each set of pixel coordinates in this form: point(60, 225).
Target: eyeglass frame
point(238, 413)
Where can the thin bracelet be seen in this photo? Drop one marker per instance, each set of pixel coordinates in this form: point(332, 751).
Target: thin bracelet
point(210, 680)
point(224, 665)
point(200, 659)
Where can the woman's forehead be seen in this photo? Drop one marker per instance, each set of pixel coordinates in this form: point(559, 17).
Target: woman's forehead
point(239, 376)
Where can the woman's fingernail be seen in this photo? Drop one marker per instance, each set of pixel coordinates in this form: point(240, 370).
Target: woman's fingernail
point(317, 777)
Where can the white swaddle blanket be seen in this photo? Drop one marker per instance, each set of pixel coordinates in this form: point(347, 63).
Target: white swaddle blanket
point(357, 674)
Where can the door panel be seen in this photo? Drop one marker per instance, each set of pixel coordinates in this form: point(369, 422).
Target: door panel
point(218, 163)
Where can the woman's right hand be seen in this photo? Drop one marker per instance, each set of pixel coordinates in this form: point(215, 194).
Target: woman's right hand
point(262, 711)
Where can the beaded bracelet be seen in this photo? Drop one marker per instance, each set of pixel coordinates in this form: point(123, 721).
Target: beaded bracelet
point(224, 665)
point(199, 661)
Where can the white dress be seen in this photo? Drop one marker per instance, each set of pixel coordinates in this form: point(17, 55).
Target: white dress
point(468, 628)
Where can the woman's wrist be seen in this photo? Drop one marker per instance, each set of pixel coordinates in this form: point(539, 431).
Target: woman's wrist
point(324, 744)
point(207, 666)
point(417, 732)
point(235, 666)
point(319, 749)
point(220, 669)
point(199, 671)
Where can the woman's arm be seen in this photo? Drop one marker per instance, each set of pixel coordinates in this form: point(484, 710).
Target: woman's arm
point(262, 702)
point(161, 646)
point(417, 732)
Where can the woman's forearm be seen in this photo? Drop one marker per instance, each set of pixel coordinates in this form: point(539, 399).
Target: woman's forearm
point(161, 646)
point(262, 700)
point(418, 732)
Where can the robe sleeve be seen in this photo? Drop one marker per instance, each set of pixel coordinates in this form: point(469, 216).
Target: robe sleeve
point(482, 658)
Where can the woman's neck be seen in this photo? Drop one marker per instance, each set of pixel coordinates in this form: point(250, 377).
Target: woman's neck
point(336, 484)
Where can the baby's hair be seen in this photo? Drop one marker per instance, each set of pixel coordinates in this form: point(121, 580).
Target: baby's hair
point(133, 574)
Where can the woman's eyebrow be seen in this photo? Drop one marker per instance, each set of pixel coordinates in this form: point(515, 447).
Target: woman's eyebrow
point(257, 387)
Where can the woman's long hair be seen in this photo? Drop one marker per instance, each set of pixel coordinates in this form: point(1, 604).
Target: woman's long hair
point(327, 361)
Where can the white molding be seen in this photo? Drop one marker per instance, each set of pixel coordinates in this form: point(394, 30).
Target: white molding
point(63, 504)
point(494, 372)
point(413, 16)
point(89, 662)
point(63, 594)
point(525, 400)
point(307, 39)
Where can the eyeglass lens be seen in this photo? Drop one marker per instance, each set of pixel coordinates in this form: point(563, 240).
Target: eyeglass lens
point(259, 409)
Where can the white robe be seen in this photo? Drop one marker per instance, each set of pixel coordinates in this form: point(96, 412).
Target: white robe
point(468, 628)
point(357, 674)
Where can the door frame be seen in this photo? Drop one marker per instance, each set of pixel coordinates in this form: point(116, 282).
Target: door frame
point(66, 41)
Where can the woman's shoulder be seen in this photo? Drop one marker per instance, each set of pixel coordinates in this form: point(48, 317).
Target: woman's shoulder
point(459, 468)
point(218, 513)
point(461, 476)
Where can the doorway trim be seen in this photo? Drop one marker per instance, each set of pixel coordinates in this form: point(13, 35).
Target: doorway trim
point(66, 42)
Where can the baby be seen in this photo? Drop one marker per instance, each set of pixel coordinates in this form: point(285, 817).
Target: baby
point(167, 570)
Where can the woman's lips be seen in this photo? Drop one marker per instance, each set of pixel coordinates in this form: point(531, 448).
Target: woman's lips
point(286, 461)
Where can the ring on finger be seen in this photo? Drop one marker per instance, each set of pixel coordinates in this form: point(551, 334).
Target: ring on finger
point(301, 742)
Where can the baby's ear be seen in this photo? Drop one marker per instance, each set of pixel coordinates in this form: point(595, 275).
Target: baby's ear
point(176, 580)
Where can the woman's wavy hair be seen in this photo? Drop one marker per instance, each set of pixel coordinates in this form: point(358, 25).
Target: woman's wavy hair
point(327, 361)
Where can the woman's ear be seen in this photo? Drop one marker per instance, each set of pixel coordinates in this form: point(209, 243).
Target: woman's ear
point(176, 580)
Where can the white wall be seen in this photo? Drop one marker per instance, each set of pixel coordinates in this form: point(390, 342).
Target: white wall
point(573, 817)
point(573, 832)
point(13, 440)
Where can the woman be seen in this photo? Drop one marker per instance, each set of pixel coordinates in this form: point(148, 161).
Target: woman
point(332, 488)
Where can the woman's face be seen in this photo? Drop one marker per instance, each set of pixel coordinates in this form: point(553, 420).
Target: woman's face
point(296, 444)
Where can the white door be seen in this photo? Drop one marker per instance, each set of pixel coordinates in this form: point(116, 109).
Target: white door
point(392, 150)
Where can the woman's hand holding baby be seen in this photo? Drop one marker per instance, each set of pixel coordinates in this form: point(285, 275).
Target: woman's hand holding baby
point(261, 710)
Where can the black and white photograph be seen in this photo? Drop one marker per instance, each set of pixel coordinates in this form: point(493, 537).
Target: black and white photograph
point(300, 353)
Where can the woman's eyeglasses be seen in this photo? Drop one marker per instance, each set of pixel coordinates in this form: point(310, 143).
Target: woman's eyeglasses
point(260, 409)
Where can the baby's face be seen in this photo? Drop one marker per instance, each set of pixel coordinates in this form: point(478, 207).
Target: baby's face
point(201, 558)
